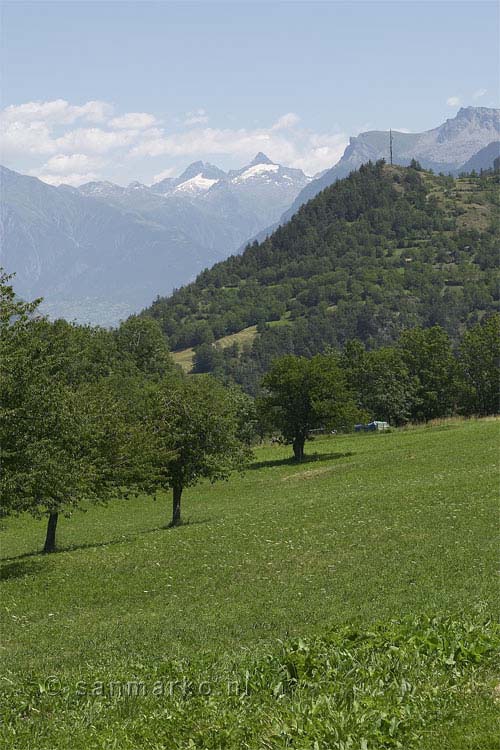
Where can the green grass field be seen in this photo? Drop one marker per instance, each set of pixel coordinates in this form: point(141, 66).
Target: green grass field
point(383, 527)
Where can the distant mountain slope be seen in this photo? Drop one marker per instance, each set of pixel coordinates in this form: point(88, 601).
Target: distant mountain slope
point(197, 178)
point(244, 198)
point(254, 194)
point(443, 149)
point(484, 159)
point(101, 252)
point(89, 259)
point(383, 249)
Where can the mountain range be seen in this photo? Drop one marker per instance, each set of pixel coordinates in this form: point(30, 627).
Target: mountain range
point(102, 251)
point(99, 252)
point(447, 148)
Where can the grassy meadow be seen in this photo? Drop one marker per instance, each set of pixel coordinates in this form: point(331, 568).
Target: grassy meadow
point(277, 579)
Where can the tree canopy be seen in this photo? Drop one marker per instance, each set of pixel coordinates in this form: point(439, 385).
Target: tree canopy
point(66, 434)
point(202, 432)
point(306, 394)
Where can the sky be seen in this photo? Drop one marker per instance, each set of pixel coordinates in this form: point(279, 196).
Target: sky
point(129, 91)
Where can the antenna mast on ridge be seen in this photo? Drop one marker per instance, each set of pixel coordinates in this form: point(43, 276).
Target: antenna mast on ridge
point(390, 143)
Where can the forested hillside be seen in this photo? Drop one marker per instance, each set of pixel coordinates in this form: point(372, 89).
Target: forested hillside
point(385, 249)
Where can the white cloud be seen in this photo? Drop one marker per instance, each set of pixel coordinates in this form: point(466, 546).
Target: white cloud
point(46, 128)
point(198, 117)
point(303, 149)
point(69, 164)
point(453, 101)
point(58, 140)
point(94, 140)
point(58, 111)
point(73, 169)
point(75, 179)
point(25, 138)
point(321, 152)
point(32, 127)
point(200, 141)
point(169, 172)
point(286, 121)
point(479, 93)
point(133, 121)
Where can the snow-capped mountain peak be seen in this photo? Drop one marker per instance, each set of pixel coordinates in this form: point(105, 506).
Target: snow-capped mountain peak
point(197, 184)
point(262, 171)
point(196, 179)
point(256, 170)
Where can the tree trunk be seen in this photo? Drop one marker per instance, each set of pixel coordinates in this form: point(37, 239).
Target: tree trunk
point(298, 447)
point(176, 505)
point(50, 538)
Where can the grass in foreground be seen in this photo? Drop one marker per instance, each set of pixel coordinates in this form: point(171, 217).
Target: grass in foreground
point(376, 527)
point(391, 686)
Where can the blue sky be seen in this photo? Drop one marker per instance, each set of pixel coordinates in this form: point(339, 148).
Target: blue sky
point(137, 90)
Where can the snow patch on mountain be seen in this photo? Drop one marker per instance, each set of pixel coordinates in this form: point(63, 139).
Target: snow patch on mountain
point(137, 186)
point(256, 171)
point(197, 184)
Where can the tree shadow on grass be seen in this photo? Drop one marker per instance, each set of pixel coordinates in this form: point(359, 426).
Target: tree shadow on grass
point(290, 461)
point(18, 569)
point(184, 522)
point(6, 562)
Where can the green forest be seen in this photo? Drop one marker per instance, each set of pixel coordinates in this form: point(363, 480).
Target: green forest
point(386, 249)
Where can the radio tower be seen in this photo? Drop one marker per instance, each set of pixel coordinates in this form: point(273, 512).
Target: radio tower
point(390, 143)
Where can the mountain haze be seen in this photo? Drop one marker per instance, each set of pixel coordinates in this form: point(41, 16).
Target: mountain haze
point(100, 252)
point(86, 256)
point(484, 159)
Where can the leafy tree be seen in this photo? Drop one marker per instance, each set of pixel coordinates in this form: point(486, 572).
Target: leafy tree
point(64, 446)
point(207, 358)
point(14, 312)
point(428, 356)
point(480, 360)
point(201, 434)
point(143, 340)
point(65, 435)
point(382, 382)
point(305, 394)
point(414, 164)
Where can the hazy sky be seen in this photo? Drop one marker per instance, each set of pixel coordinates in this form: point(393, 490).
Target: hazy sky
point(137, 90)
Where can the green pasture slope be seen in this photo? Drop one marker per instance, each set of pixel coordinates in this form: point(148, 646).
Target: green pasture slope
point(349, 601)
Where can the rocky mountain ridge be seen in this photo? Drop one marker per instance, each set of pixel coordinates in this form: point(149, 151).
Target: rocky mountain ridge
point(446, 148)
